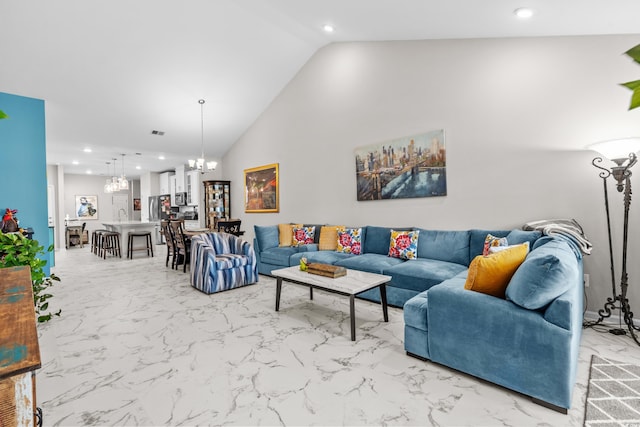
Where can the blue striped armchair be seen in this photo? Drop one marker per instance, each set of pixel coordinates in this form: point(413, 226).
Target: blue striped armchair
point(221, 261)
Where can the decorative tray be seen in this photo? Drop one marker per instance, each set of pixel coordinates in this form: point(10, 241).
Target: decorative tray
point(327, 270)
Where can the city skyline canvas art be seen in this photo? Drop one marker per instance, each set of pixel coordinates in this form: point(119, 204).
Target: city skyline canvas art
point(405, 167)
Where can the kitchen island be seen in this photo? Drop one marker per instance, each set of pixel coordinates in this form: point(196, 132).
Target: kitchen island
point(124, 227)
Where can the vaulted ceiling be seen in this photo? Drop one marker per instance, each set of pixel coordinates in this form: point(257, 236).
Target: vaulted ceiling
point(113, 71)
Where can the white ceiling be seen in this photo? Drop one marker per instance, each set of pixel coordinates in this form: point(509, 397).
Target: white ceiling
point(113, 71)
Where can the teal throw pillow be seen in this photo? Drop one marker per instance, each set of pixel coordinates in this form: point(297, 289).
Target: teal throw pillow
point(545, 274)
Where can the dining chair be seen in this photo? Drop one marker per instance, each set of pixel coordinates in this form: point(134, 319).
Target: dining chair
point(171, 243)
point(182, 244)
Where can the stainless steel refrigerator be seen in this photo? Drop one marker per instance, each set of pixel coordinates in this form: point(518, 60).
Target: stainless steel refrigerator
point(159, 209)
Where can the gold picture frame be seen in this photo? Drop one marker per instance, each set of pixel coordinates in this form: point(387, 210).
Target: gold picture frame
point(262, 189)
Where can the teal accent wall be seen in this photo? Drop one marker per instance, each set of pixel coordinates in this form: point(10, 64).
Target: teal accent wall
point(23, 162)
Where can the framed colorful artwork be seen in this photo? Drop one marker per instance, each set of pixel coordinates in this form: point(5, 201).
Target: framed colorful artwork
point(261, 189)
point(87, 207)
point(407, 167)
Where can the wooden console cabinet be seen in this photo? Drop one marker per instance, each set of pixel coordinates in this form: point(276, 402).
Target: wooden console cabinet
point(19, 349)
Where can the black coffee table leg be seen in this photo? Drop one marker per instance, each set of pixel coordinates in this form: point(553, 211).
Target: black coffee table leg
point(278, 291)
point(352, 314)
point(383, 300)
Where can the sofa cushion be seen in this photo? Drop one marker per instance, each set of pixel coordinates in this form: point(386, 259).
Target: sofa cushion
point(451, 246)
point(421, 274)
point(266, 236)
point(404, 244)
point(377, 240)
point(328, 240)
point(286, 233)
point(373, 263)
point(476, 240)
point(322, 257)
point(415, 311)
point(515, 237)
point(278, 255)
point(491, 274)
point(303, 236)
point(350, 241)
point(543, 276)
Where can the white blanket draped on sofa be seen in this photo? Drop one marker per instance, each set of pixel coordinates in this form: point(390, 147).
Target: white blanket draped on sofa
point(568, 229)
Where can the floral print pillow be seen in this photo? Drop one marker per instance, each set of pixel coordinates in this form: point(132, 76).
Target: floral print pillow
point(303, 236)
point(492, 241)
point(404, 244)
point(350, 241)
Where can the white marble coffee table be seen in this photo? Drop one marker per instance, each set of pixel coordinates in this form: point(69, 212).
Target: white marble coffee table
point(352, 284)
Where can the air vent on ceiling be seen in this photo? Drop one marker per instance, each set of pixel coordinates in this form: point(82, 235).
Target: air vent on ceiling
point(157, 132)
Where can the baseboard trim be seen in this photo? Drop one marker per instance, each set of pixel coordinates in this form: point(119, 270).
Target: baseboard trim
point(592, 316)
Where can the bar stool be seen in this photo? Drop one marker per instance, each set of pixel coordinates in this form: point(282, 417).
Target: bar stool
point(96, 241)
point(148, 248)
point(111, 244)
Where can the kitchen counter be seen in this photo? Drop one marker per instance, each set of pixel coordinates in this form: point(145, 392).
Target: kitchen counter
point(124, 227)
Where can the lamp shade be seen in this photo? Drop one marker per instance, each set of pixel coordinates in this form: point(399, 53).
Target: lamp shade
point(616, 148)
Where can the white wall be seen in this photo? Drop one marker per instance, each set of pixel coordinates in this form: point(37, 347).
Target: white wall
point(93, 185)
point(516, 113)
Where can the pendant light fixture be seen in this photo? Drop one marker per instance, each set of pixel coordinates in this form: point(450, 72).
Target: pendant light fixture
point(123, 184)
point(114, 179)
point(200, 163)
point(107, 185)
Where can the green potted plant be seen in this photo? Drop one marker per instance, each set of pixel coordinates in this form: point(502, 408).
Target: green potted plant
point(634, 53)
point(17, 250)
point(3, 115)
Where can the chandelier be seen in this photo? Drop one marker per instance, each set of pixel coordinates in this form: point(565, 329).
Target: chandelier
point(116, 183)
point(200, 163)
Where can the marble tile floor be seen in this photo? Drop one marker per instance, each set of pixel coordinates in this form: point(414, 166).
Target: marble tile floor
point(136, 345)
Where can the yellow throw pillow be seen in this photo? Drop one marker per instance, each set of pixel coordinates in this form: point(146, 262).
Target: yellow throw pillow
point(329, 237)
point(286, 233)
point(491, 274)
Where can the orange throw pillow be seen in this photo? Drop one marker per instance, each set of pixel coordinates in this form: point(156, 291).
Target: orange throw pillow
point(491, 274)
point(328, 238)
point(286, 233)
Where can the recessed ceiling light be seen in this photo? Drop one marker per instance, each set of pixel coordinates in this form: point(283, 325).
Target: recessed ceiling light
point(328, 28)
point(138, 167)
point(87, 150)
point(523, 13)
point(161, 157)
point(75, 162)
point(88, 171)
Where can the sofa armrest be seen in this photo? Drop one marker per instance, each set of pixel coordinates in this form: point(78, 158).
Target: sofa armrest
point(202, 245)
point(245, 248)
point(497, 340)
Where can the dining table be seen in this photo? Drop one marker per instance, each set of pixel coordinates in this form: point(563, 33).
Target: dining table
point(195, 231)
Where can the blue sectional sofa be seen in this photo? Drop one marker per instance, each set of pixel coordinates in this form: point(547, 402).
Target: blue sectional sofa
point(527, 342)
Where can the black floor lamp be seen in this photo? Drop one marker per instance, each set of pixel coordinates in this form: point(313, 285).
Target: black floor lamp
point(622, 152)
